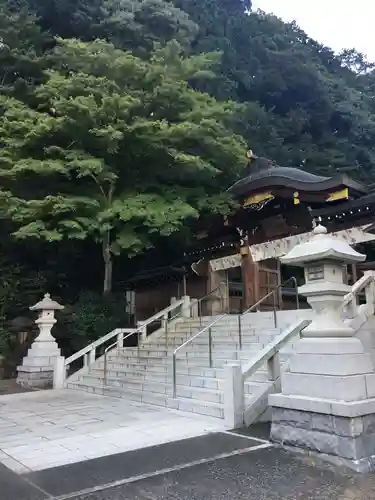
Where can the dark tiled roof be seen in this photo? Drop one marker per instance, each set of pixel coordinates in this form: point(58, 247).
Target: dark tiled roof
point(263, 173)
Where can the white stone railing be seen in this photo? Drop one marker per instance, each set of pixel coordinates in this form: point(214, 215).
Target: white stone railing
point(350, 306)
point(89, 353)
point(235, 413)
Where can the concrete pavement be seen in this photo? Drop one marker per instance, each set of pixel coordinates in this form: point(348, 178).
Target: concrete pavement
point(66, 445)
point(220, 466)
point(45, 429)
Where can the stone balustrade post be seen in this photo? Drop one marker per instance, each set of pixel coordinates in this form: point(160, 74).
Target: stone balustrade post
point(233, 396)
point(143, 330)
point(120, 340)
point(59, 373)
point(194, 308)
point(185, 308)
point(273, 365)
point(370, 292)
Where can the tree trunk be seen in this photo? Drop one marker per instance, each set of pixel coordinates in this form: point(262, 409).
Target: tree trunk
point(107, 257)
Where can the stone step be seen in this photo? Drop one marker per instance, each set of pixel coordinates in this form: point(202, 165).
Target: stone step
point(121, 365)
point(198, 357)
point(261, 375)
point(184, 380)
point(233, 320)
point(225, 330)
point(192, 350)
point(172, 344)
point(164, 365)
point(201, 393)
point(200, 407)
point(217, 337)
point(184, 404)
point(202, 362)
point(221, 331)
point(166, 378)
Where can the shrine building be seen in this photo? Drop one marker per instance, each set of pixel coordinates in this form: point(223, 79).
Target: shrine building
point(235, 260)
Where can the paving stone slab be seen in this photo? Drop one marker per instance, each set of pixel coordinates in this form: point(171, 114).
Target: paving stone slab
point(88, 474)
point(14, 487)
point(269, 474)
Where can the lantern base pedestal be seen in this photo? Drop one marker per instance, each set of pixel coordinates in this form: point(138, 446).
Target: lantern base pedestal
point(336, 431)
point(37, 367)
point(34, 377)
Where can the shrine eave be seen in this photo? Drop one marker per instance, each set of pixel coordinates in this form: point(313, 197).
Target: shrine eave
point(364, 203)
point(294, 179)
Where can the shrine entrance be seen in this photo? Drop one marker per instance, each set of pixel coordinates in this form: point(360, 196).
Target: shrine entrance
point(265, 277)
point(269, 281)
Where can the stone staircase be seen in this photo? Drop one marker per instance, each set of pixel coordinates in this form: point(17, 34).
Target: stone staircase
point(147, 377)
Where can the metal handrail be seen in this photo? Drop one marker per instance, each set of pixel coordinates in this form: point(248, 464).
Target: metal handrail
point(160, 314)
point(209, 328)
point(260, 301)
point(217, 320)
point(273, 348)
point(138, 330)
point(199, 301)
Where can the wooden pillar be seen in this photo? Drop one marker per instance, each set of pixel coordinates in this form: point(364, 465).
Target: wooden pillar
point(354, 273)
point(250, 276)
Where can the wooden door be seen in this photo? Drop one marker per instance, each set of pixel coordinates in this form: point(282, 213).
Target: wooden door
point(269, 280)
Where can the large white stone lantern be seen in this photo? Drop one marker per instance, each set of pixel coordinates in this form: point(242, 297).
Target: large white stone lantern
point(327, 403)
point(323, 258)
point(37, 367)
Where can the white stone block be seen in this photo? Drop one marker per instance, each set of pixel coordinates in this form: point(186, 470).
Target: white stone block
point(329, 346)
point(185, 308)
point(353, 408)
point(352, 388)
point(303, 403)
point(331, 364)
point(233, 396)
point(329, 407)
point(370, 385)
point(37, 361)
point(59, 373)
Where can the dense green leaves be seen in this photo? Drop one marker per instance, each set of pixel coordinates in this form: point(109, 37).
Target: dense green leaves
point(123, 121)
point(121, 158)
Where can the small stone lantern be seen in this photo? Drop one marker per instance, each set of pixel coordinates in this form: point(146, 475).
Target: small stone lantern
point(37, 367)
point(327, 403)
point(46, 318)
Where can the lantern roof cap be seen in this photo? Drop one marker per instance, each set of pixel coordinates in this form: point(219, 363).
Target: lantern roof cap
point(46, 304)
point(322, 246)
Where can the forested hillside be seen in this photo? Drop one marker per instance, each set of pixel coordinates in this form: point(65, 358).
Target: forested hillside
point(124, 120)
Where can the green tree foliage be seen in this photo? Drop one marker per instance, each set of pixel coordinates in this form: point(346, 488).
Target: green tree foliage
point(130, 24)
point(312, 104)
point(21, 47)
point(119, 146)
point(130, 152)
point(138, 24)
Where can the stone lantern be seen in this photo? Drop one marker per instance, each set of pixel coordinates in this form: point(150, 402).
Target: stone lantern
point(37, 367)
point(327, 404)
point(323, 259)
